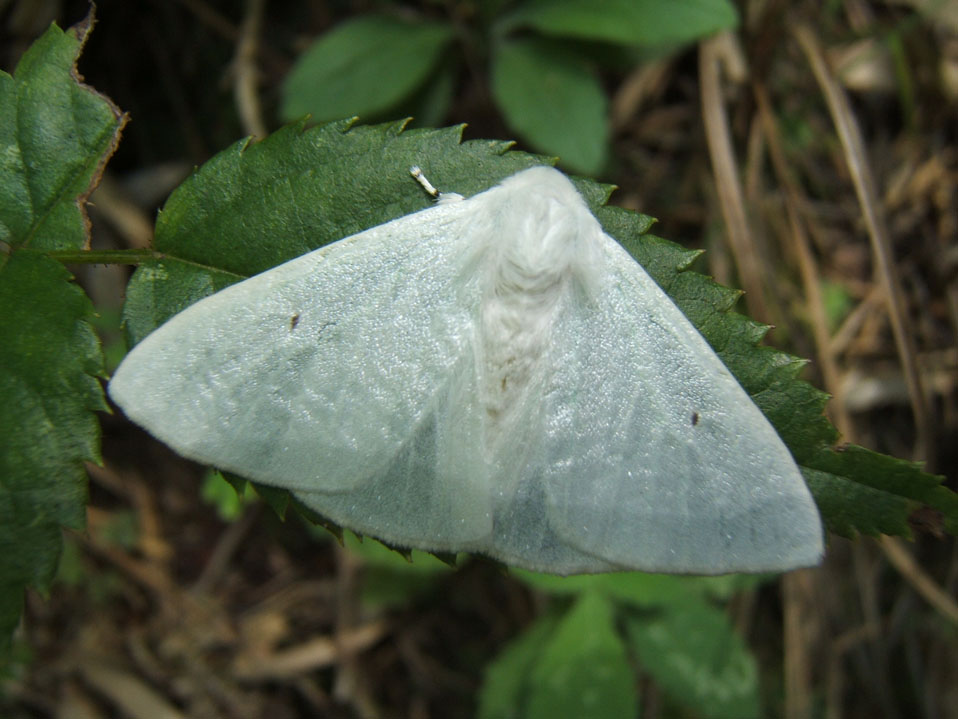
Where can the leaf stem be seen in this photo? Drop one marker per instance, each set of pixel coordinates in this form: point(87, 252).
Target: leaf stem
point(103, 257)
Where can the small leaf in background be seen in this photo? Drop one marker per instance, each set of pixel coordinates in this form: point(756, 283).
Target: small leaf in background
point(643, 590)
point(55, 135)
point(389, 578)
point(553, 99)
point(583, 671)
point(375, 554)
point(245, 491)
point(429, 105)
point(107, 324)
point(838, 303)
point(628, 22)
point(504, 687)
point(695, 655)
point(363, 67)
point(119, 529)
point(225, 497)
point(71, 570)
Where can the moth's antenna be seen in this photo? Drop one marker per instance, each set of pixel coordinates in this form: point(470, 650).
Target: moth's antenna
point(426, 184)
point(441, 197)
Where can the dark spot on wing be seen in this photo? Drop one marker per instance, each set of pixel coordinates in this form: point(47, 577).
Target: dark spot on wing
point(695, 418)
point(293, 321)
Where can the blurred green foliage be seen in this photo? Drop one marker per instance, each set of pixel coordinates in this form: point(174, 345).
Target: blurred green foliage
point(543, 61)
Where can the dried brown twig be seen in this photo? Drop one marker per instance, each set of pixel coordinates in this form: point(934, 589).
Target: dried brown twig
point(246, 72)
point(864, 183)
point(727, 182)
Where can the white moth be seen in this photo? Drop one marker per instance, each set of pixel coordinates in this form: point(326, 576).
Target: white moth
point(494, 375)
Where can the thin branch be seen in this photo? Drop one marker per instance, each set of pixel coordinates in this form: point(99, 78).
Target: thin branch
point(102, 257)
point(727, 181)
point(924, 585)
point(310, 654)
point(246, 72)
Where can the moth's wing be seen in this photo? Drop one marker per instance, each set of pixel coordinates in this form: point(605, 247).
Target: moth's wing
point(435, 492)
point(328, 373)
point(656, 458)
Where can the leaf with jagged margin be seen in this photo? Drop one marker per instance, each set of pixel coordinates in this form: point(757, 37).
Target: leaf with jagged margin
point(56, 134)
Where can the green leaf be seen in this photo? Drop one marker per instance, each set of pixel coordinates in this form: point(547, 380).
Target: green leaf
point(504, 686)
point(391, 579)
point(574, 666)
point(863, 492)
point(56, 135)
point(258, 204)
point(627, 22)
point(277, 499)
point(363, 67)
point(640, 589)
point(553, 99)
point(49, 360)
point(375, 554)
point(583, 670)
point(228, 500)
point(695, 655)
point(430, 104)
